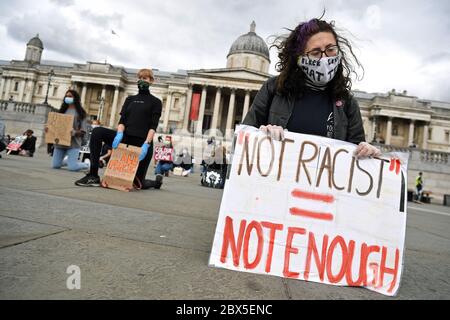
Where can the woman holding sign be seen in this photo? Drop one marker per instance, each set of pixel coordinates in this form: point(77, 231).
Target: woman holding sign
point(311, 95)
point(71, 105)
point(138, 122)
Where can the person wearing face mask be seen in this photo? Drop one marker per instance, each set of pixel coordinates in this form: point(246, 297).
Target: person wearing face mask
point(71, 105)
point(164, 166)
point(184, 161)
point(139, 119)
point(311, 95)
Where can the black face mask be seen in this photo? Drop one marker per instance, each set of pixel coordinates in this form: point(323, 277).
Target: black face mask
point(143, 85)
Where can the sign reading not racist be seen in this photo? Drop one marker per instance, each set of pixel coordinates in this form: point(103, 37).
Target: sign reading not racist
point(305, 208)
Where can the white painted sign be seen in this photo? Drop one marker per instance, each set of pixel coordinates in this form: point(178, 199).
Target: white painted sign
point(306, 209)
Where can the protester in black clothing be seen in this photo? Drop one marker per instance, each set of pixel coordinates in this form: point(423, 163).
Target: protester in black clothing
point(311, 95)
point(28, 147)
point(137, 125)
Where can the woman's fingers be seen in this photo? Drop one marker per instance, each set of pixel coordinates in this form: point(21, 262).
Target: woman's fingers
point(365, 150)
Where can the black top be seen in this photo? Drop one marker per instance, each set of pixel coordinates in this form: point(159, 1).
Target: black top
point(140, 113)
point(29, 144)
point(312, 114)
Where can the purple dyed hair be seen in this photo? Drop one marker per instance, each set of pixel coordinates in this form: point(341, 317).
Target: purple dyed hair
point(291, 80)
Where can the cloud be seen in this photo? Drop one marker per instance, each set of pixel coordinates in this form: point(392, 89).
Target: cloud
point(78, 41)
point(401, 45)
point(105, 21)
point(63, 3)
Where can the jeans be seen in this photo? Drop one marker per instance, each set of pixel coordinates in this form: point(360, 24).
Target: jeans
point(163, 168)
point(72, 159)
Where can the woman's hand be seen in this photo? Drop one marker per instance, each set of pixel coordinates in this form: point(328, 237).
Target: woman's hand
point(276, 132)
point(365, 150)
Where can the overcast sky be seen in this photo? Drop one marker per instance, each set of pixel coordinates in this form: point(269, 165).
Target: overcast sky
point(402, 44)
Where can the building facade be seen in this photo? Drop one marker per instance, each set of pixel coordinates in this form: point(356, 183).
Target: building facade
point(199, 103)
point(224, 95)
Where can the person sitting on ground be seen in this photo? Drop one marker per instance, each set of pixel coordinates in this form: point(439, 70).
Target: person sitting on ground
point(28, 147)
point(184, 161)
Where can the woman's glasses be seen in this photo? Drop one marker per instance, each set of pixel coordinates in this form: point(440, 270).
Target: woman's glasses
point(317, 54)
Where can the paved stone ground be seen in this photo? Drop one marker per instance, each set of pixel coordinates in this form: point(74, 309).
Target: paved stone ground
point(155, 244)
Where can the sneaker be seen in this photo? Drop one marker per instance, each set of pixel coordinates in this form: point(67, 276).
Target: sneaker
point(148, 184)
point(88, 181)
point(158, 181)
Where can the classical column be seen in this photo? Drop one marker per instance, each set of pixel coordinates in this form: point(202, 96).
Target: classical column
point(102, 105)
point(230, 116)
point(215, 118)
point(246, 104)
point(201, 114)
point(83, 94)
point(388, 131)
point(8, 88)
point(411, 133)
point(187, 109)
point(425, 136)
point(167, 111)
point(112, 119)
point(374, 128)
point(23, 83)
point(30, 92)
point(2, 86)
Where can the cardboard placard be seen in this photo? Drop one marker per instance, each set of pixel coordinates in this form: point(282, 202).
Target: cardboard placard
point(305, 208)
point(178, 171)
point(163, 153)
point(59, 129)
point(122, 168)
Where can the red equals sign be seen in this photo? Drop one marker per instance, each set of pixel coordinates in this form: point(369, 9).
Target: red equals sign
point(297, 193)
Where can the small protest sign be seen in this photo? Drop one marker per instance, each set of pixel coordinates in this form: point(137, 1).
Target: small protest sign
point(59, 129)
point(163, 153)
point(122, 168)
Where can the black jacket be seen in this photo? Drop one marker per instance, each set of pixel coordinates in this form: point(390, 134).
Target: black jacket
point(271, 108)
point(29, 145)
point(140, 113)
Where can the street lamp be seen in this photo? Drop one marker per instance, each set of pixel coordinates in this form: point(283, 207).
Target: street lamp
point(50, 75)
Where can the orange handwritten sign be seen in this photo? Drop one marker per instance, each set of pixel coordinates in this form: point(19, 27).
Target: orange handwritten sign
point(122, 168)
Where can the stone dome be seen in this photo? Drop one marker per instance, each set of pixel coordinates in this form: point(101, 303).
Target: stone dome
point(250, 43)
point(36, 42)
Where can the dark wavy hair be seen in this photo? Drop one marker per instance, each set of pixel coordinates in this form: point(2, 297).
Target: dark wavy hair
point(291, 80)
point(76, 101)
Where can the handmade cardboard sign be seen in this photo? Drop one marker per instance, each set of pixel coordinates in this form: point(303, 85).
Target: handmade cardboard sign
point(305, 208)
point(163, 153)
point(122, 167)
point(59, 129)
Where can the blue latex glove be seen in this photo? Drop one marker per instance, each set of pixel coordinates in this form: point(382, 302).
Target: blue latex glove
point(144, 150)
point(117, 139)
